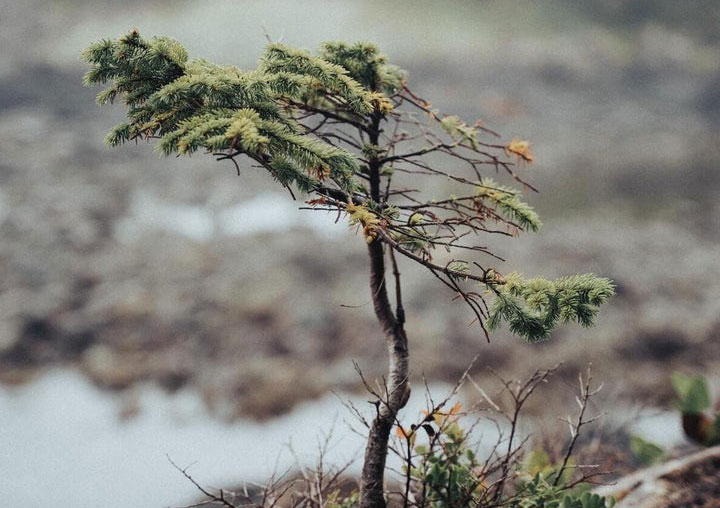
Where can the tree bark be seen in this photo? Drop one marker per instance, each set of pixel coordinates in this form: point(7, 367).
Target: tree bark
point(398, 389)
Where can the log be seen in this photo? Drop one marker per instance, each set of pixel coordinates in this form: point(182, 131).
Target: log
point(693, 480)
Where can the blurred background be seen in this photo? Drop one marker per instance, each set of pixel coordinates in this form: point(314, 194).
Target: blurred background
point(155, 306)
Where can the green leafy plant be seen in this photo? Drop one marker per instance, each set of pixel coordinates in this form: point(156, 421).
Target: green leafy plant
point(541, 493)
point(692, 392)
point(449, 473)
point(343, 128)
point(444, 469)
point(693, 402)
point(337, 500)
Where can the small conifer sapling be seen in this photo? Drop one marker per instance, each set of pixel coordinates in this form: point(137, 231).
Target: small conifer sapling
point(342, 129)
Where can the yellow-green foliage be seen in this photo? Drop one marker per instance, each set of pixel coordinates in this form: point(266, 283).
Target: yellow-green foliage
point(507, 203)
point(458, 129)
point(196, 105)
point(366, 65)
point(325, 75)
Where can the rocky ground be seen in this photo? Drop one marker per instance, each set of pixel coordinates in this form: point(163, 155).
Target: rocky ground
point(122, 264)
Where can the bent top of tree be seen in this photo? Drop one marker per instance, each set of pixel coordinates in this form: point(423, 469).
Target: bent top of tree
point(343, 127)
point(326, 124)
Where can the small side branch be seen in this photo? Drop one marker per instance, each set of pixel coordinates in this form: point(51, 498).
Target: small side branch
point(219, 499)
point(575, 425)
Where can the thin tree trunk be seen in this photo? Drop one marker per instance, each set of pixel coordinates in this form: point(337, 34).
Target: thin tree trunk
point(398, 389)
point(371, 481)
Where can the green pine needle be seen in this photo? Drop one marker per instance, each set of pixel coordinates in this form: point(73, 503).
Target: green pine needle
point(532, 308)
point(195, 105)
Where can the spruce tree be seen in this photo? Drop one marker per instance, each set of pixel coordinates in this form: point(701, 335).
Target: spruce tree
point(342, 129)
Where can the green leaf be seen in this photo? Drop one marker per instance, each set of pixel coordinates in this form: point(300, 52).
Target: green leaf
point(537, 461)
point(692, 391)
point(646, 451)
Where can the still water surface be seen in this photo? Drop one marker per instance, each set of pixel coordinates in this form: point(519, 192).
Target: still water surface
point(62, 444)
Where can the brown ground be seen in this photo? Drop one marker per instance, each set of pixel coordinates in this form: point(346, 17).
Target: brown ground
point(696, 486)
